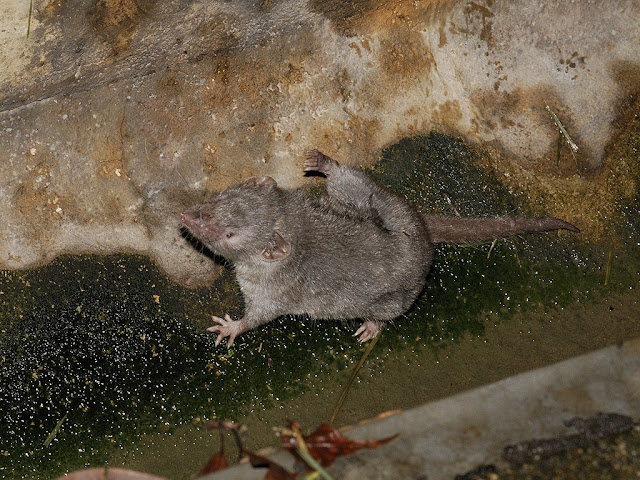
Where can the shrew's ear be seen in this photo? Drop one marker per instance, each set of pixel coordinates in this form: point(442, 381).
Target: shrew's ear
point(278, 249)
point(260, 182)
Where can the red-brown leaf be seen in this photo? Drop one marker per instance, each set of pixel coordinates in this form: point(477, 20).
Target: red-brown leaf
point(216, 463)
point(275, 472)
point(326, 444)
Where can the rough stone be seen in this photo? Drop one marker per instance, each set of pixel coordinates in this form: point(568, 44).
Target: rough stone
point(117, 114)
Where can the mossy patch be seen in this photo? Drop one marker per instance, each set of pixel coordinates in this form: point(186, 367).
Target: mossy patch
point(442, 175)
point(108, 343)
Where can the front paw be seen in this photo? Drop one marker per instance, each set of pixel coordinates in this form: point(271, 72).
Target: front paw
point(318, 162)
point(227, 328)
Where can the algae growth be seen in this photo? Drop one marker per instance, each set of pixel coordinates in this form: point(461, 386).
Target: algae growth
point(102, 349)
point(96, 351)
point(441, 175)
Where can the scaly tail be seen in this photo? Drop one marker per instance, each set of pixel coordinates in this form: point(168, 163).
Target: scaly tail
point(460, 230)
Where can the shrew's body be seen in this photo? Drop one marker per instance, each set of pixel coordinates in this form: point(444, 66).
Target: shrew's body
point(360, 252)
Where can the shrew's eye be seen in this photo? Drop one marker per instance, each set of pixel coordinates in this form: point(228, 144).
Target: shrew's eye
point(230, 234)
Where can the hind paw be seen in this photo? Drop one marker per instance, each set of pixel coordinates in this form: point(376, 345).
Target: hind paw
point(368, 330)
point(318, 162)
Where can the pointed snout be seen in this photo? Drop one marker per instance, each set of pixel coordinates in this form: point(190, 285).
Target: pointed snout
point(189, 220)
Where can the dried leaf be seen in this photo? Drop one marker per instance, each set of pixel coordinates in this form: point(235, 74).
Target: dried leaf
point(275, 472)
point(238, 430)
point(326, 443)
point(216, 463)
point(219, 462)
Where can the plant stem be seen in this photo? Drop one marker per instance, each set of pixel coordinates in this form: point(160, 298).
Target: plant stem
point(29, 21)
point(353, 376)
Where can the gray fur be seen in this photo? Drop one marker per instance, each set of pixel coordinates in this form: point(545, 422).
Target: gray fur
point(360, 252)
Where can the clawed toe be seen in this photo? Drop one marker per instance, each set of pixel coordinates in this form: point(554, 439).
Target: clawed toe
point(311, 161)
point(368, 330)
point(318, 162)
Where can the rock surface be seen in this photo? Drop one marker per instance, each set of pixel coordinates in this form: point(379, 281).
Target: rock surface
point(115, 115)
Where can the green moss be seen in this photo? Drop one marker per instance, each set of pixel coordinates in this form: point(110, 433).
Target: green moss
point(108, 341)
point(121, 350)
point(439, 174)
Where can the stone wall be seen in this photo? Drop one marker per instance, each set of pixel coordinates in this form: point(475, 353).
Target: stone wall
point(115, 115)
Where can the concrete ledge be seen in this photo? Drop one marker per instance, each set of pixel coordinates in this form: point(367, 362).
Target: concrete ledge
point(451, 436)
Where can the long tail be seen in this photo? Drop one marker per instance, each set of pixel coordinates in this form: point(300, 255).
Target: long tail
point(460, 230)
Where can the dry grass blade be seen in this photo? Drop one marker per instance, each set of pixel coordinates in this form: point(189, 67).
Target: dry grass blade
point(29, 21)
point(558, 123)
point(353, 376)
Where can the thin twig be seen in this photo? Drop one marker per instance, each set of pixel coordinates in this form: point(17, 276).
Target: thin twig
point(313, 463)
point(353, 376)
